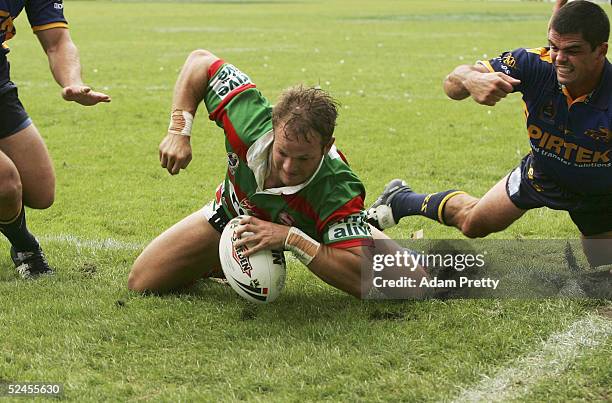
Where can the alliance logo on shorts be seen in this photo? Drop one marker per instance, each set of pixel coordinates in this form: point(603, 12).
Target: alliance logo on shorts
point(232, 162)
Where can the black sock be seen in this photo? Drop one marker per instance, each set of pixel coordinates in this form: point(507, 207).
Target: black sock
point(428, 205)
point(17, 233)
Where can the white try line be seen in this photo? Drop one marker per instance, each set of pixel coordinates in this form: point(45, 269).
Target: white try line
point(97, 244)
point(553, 357)
point(110, 244)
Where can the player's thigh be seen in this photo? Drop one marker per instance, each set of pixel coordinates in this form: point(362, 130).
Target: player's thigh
point(493, 212)
point(185, 252)
point(28, 152)
point(598, 248)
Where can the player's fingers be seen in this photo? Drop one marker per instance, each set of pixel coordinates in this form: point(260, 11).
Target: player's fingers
point(163, 158)
point(176, 167)
point(511, 81)
point(254, 249)
point(498, 92)
point(186, 161)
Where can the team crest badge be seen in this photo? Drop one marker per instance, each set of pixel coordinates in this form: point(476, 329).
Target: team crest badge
point(232, 162)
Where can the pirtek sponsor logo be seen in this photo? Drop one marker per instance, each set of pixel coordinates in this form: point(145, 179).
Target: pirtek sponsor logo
point(568, 151)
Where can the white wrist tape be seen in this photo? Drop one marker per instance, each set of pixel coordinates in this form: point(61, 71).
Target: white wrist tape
point(180, 123)
point(303, 247)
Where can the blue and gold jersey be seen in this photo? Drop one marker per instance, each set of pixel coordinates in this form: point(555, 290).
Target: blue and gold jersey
point(42, 14)
point(570, 138)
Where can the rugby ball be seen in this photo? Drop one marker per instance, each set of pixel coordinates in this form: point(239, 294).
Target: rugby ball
point(258, 278)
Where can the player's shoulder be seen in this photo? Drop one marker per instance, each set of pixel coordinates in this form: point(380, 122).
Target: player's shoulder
point(522, 57)
point(336, 171)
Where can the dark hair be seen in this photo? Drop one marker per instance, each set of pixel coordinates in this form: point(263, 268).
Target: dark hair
point(585, 18)
point(306, 111)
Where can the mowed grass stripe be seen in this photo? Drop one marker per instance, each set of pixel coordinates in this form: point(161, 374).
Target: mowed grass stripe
point(554, 356)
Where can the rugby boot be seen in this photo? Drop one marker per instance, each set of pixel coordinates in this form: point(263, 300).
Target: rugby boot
point(380, 214)
point(31, 264)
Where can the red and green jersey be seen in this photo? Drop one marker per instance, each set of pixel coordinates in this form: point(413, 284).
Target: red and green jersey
point(328, 206)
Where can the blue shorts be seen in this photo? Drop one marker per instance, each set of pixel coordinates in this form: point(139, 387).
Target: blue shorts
point(530, 188)
point(13, 116)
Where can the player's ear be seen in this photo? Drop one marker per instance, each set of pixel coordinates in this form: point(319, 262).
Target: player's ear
point(328, 146)
point(603, 48)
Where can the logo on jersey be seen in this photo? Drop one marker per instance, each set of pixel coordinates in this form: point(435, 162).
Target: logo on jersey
point(603, 134)
point(58, 6)
point(247, 206)
point(509, 60)
point(228, 79)
point(285, 218)
point(232, 162)
point(556, 147)
point(351, 226)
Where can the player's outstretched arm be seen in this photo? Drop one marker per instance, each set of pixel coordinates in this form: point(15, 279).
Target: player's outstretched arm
point(340, 268)
point(486, 88)
point(175, 148)
point(64, 63)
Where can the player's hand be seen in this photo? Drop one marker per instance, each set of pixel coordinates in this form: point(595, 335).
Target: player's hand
point(261, 235)
point(175, 152)
point(490, 88)
point(83, 95)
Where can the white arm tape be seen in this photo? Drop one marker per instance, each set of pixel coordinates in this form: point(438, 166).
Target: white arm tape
point(303, 247)
point(180, 122)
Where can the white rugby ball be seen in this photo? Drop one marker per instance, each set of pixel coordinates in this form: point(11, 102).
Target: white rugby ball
point(259, 278)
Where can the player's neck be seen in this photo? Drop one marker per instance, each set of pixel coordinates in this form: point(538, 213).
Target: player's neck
point(586, 86)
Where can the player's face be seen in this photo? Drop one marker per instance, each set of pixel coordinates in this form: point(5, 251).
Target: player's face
point(577, 65)
point(295, 160)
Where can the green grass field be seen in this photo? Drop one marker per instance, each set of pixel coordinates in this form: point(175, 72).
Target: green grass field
point(385, 61)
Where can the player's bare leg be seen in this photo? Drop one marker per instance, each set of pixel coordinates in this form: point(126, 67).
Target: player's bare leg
point(477, 218)
point(474, 217)
point(29, 154)
point(598, 249)
point(179, 256)
point(26, 177)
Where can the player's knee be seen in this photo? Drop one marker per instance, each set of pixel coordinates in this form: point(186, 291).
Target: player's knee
point(10, 185)
point(471, 228)
point(43, 200)
point(135, 281)
point(201, 56)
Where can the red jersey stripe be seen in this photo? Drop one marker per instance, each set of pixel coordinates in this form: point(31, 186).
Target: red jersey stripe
point(355, 205)
point(239, 147)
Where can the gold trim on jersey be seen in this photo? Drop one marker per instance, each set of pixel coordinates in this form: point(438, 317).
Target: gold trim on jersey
point(542, 52)
point(49, 26)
